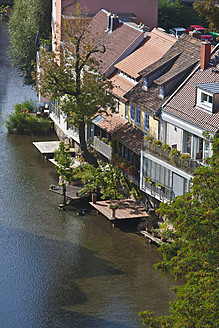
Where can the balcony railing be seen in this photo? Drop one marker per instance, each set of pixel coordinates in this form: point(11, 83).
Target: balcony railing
point(163, 194)
point(188, 165)
point(102, 147)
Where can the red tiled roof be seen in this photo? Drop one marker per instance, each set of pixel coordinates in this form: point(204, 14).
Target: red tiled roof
point(116, 43)
point(183, 55)
point(183, 103)
point(111, 122)
point(130, 137)
point(155, 46)
point(120, 85)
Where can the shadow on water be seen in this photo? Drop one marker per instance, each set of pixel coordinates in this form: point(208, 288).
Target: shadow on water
point(33, 270)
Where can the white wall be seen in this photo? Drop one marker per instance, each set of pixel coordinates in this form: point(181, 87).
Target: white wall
point(174, 135)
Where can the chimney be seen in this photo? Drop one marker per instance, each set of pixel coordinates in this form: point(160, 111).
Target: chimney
point(108, 21)
point(114, 22)
point(195, 34)
point(205, 54)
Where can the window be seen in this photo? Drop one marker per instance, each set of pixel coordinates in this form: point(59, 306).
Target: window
point(162, 91)
point(145, 83)
point(117, 104)
point(138, 116)
point(146, 122)
point(206, 98)
point(132, 113)
point(126, 110)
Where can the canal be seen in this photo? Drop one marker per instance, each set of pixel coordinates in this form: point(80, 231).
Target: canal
point(59, 269)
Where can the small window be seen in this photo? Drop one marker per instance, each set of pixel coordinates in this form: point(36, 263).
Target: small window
point(145, 82)
point(146, 122)
point(132, 113)
point(117, 104)
point(138, 116)
point(126, 110)
point(162, 91)
point(206, 98)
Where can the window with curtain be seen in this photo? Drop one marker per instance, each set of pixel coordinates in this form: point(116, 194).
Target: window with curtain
point(132, 113)
point(138, 116)
point(146, 121)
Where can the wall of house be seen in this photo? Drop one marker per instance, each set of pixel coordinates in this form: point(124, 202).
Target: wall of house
point(121, 109)
point(174, 135)
point(145, 10)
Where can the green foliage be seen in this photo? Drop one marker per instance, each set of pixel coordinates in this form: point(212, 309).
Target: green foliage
point(194, 252)
point(210, 11)
point(107, 178)
point(26, 19)
point(173, 14)
point(71, 77)
point(166, 147)
point(65, 162)
point(22, 122)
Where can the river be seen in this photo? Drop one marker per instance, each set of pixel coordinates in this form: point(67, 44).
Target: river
point(58, 269)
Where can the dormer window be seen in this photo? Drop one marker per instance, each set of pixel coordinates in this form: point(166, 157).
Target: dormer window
point(145, 83)
point(207, 97)
point(161, 91)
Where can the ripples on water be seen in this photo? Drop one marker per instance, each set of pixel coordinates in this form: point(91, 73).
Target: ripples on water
point(59, 269)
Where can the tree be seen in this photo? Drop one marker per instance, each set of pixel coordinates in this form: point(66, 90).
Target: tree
point(71, 77)
point(194, 252)
point(26, 19)
point(107, 178)
point(210, 10)
point(174, 13)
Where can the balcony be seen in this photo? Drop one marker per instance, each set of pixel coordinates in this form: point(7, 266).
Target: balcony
point(171, 156)
point(164, 194)
point(102, 147)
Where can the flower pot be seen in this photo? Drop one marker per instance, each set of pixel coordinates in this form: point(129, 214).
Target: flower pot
point(94, 198)
point(113, 213)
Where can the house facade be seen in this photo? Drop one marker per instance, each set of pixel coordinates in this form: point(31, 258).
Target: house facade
point(193, 109)
point(120, 40)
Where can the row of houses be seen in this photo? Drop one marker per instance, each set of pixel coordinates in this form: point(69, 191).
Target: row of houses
point(166, 95)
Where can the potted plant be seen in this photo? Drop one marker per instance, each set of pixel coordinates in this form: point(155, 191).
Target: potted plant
point(185, 157)
point(113, 207)
point(165, 150)
point(94, 197)
point(174, 156)
point(148, 140)
point(148, 180)
point(154, 232)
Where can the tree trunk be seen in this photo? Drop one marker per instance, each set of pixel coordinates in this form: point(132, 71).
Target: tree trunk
point(88, 157)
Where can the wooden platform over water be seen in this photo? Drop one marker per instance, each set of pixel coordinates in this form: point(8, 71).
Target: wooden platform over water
point(47, 147)
point(71, 191)
point(127, 209)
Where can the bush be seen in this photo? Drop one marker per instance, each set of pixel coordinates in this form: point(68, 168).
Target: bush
point(21, 122)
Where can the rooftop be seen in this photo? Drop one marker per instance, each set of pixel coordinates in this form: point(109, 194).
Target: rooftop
point(178, 61)
point(153, 48)
point(183, 104)
point(118, 44)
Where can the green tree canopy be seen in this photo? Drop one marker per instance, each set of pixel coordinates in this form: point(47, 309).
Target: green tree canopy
point(210, 10)
point(71, 77)
point(26, 19)
point(175, 14)
point(194, 252)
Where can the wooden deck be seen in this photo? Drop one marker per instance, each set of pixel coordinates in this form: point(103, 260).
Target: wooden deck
point(151, 237)
point(70, 191)
point(47, 147)
point(127, 209)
